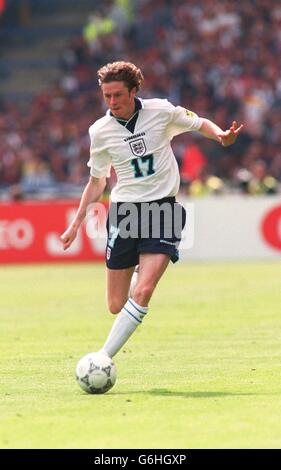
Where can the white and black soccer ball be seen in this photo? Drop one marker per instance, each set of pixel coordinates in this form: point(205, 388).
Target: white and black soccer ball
point(96, 373)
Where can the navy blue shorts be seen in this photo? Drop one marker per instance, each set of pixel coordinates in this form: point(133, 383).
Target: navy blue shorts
point(150, 227)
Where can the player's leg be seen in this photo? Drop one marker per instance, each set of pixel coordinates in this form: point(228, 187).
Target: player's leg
point(118, 283)
point(151, 268)
point(134, 281)
point(153, 262)
point(121, 259)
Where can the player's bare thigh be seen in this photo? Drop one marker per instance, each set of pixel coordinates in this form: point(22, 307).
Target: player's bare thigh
point(118, 283)
point(151, 268)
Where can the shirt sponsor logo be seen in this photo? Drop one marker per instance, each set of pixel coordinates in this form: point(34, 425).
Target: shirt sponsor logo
point(140, 134)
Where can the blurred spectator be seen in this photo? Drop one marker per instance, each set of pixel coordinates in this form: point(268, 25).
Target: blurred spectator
point(210, 185)
point(16, 193)
point(257, 180)
point(203, 184)
point(218, 58)
point(97, 26)
point(192, 163)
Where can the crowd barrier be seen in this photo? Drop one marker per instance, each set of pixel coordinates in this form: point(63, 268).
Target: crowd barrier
point(230, 227)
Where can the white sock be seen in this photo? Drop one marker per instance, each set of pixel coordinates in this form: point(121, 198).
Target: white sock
point(134, 281)
point(128, 320)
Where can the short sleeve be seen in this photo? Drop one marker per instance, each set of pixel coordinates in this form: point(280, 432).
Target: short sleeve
point(182, 120)
point(99, 161)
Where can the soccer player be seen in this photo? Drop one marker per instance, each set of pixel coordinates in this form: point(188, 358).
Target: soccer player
point(135, 138)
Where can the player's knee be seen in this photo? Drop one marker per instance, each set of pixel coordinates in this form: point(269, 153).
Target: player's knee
point(142, 293)
point(114, 307)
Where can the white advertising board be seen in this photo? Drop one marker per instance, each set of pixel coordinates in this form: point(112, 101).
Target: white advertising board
point(232, 227)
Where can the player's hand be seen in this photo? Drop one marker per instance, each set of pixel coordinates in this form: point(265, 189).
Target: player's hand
point(229, 136)
point(68, 237)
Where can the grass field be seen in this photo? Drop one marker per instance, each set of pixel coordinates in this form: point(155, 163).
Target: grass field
point(203, 371)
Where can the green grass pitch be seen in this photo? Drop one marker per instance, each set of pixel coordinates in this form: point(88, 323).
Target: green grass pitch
point(203, 371)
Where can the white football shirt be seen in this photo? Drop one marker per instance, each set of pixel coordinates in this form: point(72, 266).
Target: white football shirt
point(144, 162)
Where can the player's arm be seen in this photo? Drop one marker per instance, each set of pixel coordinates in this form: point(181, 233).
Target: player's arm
point(92, 192)
point(210, 130)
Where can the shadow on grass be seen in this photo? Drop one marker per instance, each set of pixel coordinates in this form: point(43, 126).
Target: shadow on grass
point(169, 393)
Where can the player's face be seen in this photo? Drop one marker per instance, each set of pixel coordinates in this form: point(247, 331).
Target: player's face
point(119, 99)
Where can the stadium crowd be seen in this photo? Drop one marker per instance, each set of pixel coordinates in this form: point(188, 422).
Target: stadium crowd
point(219, 58)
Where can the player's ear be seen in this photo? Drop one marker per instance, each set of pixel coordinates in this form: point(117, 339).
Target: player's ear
point(133, 91)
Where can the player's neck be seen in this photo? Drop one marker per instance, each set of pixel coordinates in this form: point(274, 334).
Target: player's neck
point(128, 114)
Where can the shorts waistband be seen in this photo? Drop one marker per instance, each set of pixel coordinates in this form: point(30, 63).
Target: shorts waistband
point(165, 199)
point(170, 199)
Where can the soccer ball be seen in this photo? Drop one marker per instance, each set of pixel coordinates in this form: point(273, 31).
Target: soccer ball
point(96, 373)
